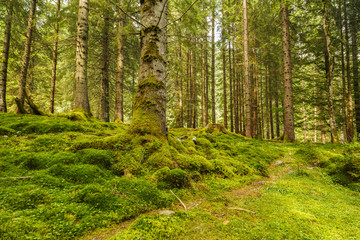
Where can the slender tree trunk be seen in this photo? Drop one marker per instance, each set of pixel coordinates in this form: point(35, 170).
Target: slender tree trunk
point(55, 53)
point(213, 116)
point(255, 107)
point(26, 56)
point(104, 81)
point(289, 131)
point(343, 78)
point(5, 58)
point(179, 83)
point(277, 117)
point(203, 84)
point(188, 90)
point(350, 121)
point(194, 93)
point(271, 108)
point(224, 78)
point(329, 70)
point(267, 100)
point(207, 80)
point(304, 110)
point(119, 95)
point(150, 101)
point(248, 131)
point(81, 89)
point(355, 61)
point(231, 90)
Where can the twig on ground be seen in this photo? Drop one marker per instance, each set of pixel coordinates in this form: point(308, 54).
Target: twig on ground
point(241, 209)
point(179, 200)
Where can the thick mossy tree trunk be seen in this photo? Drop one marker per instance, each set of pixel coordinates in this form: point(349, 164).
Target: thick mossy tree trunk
point(329, 65)
point(81, 89)
point(289, 132)
point(149, 116)
point(119, 97)
point(26, 58)
point(104, 81)
point(5, 58)
point(55, 54)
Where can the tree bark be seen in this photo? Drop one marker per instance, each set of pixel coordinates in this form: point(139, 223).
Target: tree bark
point(224, 77)
point(81, 88)
point(231, 89)
point(248, 129)
point(213, 116)
point(289, 131)
point(104, 81)
point(355, 62)
point(350, 123)
point(203, 84)
point(119, 95)
point(150, 101)
point(5, 57)
point(55, 53)
point(329, 70)
point(26, 56)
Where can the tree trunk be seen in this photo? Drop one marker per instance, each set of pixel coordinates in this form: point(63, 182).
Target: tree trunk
point(104, 81)
point(248, 129)
point(343, 78)
point(55, 53)
point(329, 70)
point(119, 95)
point(194, 88)
point(150, 101)
point(224, 77)
point(231, 89)
point(213, 116)
point(350, 123)
point(289, 131)
point(5, 58)
point(81, 89)
point(355, 62)
point(203, 83)
point(188, 90)
point(26, 56)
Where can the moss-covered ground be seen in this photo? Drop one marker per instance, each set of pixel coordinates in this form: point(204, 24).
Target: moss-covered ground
point(70, 177)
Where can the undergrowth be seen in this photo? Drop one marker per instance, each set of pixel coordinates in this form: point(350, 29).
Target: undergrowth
point(62, 176)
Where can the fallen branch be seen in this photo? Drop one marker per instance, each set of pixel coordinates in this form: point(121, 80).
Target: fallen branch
point(179, 200)
point(15, 177)
point(241, 209)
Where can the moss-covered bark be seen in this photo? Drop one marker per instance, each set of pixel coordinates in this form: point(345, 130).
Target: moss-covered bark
point(149, 116)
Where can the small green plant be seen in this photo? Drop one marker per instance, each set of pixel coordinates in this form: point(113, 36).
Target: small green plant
point(177, 178)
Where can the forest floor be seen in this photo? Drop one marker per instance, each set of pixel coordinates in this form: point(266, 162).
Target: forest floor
point(70, 177)
point(294, 202)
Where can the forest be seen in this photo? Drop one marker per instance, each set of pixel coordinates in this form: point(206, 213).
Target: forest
point(182, 119)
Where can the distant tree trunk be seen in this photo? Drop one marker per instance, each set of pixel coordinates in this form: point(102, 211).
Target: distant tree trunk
point(224, 78)
point(315, 124)
point(179, 93)
point(5, 58)
point(271, 108)
point(55, 53)
point(231, 89)
point(213, 116)
point(343, 78)
point(277, 117)
point(188, 90)
point(350, 123)
point(354, 49)
point(289, 131)
point(304, 110)
point(119, 95)
point(236, 85)
point(104, 81)
point(194, 88)
point(207, 80)
point(329, 58)
point(149, 115)
point(255, 106)
point(203, 83)
point(81, 89)
point(248, 131)
point(267, 100)
point(26, 56)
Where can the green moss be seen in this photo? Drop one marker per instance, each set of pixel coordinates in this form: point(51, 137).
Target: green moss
point(177, 178)
point(151, 52)
point(161, 158)
point(160, 175)
point(6, 131)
